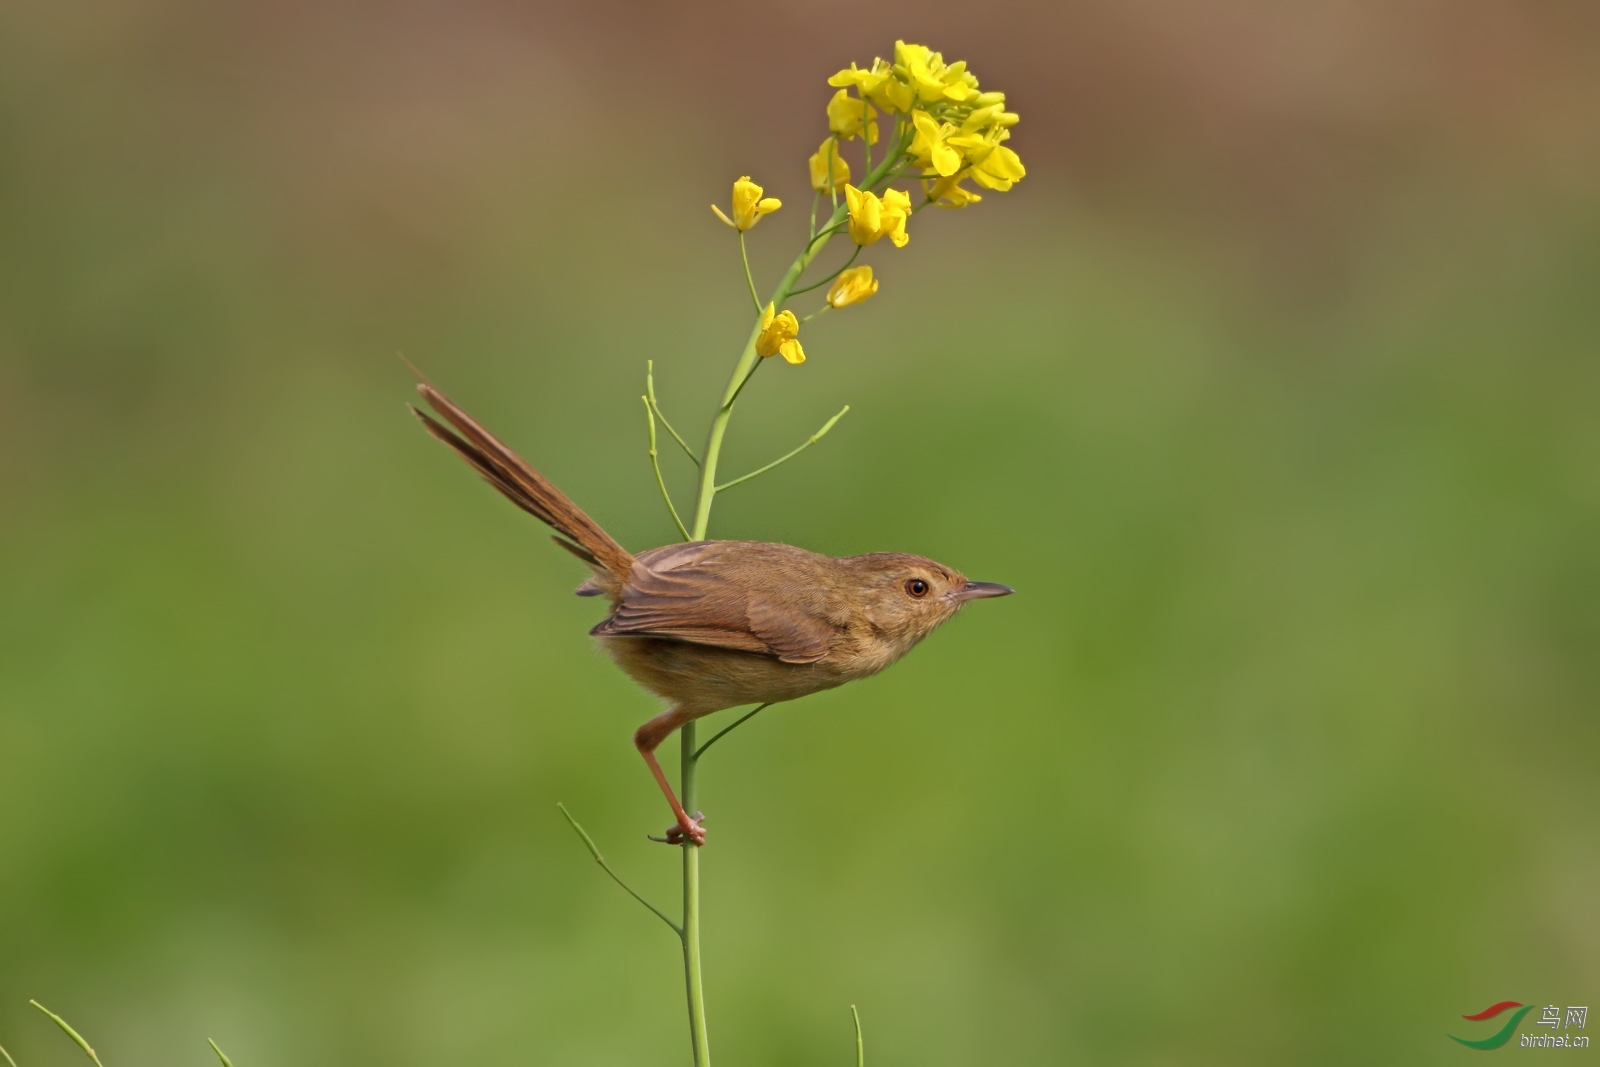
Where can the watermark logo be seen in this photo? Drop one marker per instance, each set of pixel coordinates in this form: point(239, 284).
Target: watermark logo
point(1575, 1018)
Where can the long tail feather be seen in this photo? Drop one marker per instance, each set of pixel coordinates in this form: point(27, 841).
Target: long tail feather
point(521, 484)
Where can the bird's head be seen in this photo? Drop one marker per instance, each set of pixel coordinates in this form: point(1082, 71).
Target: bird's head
point(905, 598)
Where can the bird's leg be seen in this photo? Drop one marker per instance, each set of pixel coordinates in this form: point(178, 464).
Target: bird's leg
point(646, 739)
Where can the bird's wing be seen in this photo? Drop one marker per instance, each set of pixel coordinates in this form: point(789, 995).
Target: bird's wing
point(711, 593)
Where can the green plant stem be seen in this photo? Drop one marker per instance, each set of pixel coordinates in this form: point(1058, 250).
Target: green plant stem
point(861, 1050)
point(694, 986)
point(223, 1056)
point(742, 370)
point(748, 279)
point(688, 789)
point(7, 1056)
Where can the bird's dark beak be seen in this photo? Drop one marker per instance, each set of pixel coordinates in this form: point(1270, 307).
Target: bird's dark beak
point(980, 591)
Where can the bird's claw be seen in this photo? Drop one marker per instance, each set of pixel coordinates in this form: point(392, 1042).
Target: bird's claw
point(677, 833)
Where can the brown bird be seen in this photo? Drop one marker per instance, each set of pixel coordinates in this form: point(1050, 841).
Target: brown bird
point(711, 625)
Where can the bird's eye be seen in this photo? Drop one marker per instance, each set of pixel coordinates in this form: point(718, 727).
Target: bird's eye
point(917, 588)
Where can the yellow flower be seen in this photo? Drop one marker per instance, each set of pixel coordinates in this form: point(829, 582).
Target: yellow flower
point(748, 205)
point(931, 149)
point(950, 193)
point(852, 287)
point(819, 166)
point(872, 218)
point(1000, 169)
point(867, 81)
point(993, 115)
point(933, 81)
point(878, 85)
point(994, 166)
point(845, 114)
point(780, 336)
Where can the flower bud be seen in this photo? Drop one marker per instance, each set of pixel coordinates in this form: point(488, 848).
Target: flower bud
point(852, 287)
point(819, 166)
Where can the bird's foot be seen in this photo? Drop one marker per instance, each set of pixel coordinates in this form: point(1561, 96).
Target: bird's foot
point(685, 829)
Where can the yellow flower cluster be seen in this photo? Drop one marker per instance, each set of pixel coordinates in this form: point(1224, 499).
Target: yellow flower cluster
point(956, 130)
point(939, 125)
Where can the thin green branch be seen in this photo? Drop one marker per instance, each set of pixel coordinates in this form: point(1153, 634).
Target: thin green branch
point(650, 394)
point(825, 307)
point(861, 1051)
point(816, 198)
point(813, 439)
point(832, 276)
point(655, 464)
point(748, 280)
point(826, 232)
point(7, 1055)
point(70, 1032)
point(221, 1055)
point(594, 850)
point(746, 717)
point(743, 382)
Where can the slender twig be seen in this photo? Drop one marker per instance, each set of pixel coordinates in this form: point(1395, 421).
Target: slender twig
point(221, 1055)
point(743, 382)
point(750, 281)
point(826, 231)
point(825, 307)
point(594, 850)
point(813, 439)
point(655, 464)
point(650, 394)
point(816, 198)
point(7, 1055)
point(70, 1032)
point(832, 276)
point(861, 1051)
point(746, 717)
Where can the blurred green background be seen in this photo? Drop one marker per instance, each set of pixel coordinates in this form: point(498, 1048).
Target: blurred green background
point(1272, 389)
